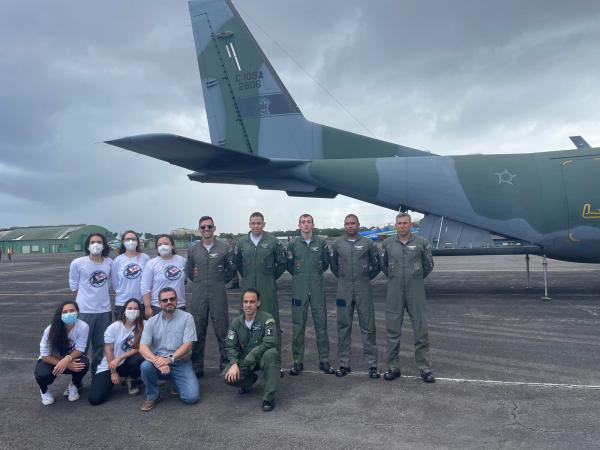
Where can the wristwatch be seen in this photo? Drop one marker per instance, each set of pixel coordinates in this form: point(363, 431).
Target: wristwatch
point(171, 359)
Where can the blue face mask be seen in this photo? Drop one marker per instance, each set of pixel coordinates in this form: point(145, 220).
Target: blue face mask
point(69, 318)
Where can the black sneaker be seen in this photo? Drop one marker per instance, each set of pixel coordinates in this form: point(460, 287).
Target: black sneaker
point(246, 389)
point(374, 373)
point(268, 405)
point(391, 374)
point(342, 371)
point(325, 367)
point(428, 377)
point(296, 369)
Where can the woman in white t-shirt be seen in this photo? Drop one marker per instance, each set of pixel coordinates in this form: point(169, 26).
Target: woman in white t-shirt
point(89, 278)
point(121, 354)
point(165, 270)
point(62, 352)
point(126, 272)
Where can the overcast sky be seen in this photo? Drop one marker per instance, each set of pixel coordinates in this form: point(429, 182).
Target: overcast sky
point(452, 77)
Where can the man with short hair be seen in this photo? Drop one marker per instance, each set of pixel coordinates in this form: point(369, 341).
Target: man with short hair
point(407, 260)
point(308, 258)
point(261, 260)
point(354, 260)
point(210, 266)
point(252, 346)
point(166, 345)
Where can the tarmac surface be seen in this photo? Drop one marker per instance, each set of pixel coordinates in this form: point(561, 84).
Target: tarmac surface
point(512, 372)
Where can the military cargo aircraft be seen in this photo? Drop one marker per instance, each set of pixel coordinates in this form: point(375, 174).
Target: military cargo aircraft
point(544, 203)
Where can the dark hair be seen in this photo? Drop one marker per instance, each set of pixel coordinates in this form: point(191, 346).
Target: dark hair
point(252, 291)
point(168, 236)
point(105, 250)
point(306, 216)
point(166, 289)
point(257, 214)
point(122, 248)
point(351, 215)
point(58, 336)
point(139, 322)
point(203, 218)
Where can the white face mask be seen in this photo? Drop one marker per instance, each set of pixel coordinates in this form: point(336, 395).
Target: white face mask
point(132, 314)
point(164, 250)
point(96, 248)
point(130, 245)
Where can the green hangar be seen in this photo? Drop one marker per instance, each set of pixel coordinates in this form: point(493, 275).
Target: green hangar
point(49, 239)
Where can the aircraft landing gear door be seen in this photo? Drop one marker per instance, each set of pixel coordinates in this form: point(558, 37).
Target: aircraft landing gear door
point(582, 185)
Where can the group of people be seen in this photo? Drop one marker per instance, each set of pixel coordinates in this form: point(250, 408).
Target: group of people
point(159, 334)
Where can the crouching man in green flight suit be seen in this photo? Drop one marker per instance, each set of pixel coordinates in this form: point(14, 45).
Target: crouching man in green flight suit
point(251, 346)
point(354, 260)
point(407, 261)
point(308, 258)
point(210, 266)
point(260, 260)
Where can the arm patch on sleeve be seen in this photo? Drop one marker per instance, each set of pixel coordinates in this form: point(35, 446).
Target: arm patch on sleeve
point(231, 335)
point(269, 331)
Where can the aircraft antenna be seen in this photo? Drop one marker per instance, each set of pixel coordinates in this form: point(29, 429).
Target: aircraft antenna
point(307, 72)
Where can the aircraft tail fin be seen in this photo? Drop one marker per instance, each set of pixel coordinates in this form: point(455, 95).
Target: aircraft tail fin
point(242, 93)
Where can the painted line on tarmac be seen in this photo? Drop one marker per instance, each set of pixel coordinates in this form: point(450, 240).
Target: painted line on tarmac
point(520, 383)
point(476, 381)
point(17, 358)
point(29, 294)
point(40, 269)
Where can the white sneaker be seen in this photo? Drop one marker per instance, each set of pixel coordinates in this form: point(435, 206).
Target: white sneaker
point(131, 387)
point(47, 398)
point(73, 392)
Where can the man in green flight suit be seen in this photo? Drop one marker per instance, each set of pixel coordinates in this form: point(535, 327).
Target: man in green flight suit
point(308, 258)
point(407, 261)
point(252, 345)
point(210, 266)
point(354, 260)
point(260, 260)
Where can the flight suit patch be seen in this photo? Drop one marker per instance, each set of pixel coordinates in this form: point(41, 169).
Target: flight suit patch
point(269, 331)
point(230, 335)
point(315, 249)
point(266, 245)
point(213, 255)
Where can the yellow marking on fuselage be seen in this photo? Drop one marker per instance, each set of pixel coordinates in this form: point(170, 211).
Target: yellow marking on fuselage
point(587, 212)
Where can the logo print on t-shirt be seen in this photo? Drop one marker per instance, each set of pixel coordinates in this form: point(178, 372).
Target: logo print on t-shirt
point(98, 279)
point(128, 342)
point(132, 271)
point(172, 272)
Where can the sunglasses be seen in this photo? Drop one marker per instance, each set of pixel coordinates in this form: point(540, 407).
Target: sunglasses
point(206, 227)
point(170, 299)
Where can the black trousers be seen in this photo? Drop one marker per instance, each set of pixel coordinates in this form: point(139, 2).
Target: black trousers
point(102, 384)
point(44, 377)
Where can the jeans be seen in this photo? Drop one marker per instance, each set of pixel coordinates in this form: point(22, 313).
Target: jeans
point(182, 375)
point(98, 323)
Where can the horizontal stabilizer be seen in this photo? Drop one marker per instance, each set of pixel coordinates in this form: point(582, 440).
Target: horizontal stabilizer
point(189, 153)
point(579, 142)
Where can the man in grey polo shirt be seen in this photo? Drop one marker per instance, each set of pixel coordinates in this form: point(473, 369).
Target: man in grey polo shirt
point(166, 346)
